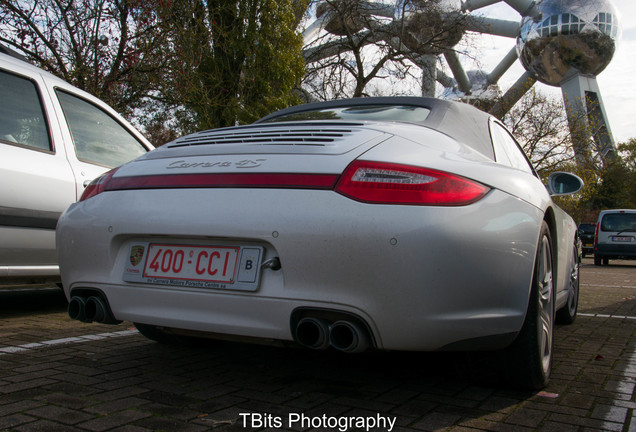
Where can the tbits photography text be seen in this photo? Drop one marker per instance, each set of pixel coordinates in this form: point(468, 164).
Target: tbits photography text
point(377, 422)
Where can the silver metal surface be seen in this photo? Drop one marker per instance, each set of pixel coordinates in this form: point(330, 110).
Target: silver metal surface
point(577, 36)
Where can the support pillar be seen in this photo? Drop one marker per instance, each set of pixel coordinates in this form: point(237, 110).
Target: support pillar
point(587, 117)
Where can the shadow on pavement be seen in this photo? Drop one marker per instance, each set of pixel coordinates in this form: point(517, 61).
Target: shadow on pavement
point(24, 301)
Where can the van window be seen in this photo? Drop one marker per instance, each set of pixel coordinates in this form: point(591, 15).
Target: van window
point(22, 119)
point(618, 222)
point(97, 136)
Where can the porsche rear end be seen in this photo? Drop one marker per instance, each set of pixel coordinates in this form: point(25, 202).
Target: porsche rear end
point(321, 234)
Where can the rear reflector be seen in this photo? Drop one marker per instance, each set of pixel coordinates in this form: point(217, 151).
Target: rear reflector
point(231, 180)
point(386, 183)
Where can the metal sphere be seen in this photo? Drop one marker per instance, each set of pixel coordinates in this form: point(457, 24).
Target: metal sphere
point(570, 36)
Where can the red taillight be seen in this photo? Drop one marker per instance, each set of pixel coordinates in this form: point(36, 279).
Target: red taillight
point(386, 183)
point(598, 226)
point(98, 185)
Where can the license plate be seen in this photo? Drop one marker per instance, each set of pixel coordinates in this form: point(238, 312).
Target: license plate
point(589, 244)
point(621, 238)
point(198, 266)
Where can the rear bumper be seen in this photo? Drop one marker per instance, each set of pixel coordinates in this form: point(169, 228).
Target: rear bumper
point(420, 278)
point(615, 251)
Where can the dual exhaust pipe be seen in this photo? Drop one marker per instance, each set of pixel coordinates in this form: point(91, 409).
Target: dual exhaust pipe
point(319, 334)
point(90, 309)
point(314, 333)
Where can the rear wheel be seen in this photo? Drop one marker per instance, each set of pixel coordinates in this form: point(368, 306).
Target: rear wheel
point(529, 358)
point(567, 314)
point(597, 260)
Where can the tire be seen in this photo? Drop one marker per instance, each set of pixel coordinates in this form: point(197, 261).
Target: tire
point(597, 260)
point(567, 314)
point(529, 358)
point(606, 261)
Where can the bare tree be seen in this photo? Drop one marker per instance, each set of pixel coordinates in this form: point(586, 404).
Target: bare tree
point(110, 48)
point(364, 46)
point(541, 125)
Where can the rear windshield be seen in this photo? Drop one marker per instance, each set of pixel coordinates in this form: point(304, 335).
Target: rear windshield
point(401, 113)
point(619, 222)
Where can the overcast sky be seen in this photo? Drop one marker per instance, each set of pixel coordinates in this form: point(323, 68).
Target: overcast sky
point(618, 87)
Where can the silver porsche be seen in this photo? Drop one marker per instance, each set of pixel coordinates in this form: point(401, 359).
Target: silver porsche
point(365, 224)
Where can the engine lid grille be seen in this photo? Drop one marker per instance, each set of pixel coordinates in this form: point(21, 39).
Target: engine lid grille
point(322, 135)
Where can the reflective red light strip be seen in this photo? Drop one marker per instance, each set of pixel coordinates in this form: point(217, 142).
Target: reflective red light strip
point(247, 180)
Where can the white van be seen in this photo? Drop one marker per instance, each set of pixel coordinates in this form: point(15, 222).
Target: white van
point(615, 236)
point(54, 140)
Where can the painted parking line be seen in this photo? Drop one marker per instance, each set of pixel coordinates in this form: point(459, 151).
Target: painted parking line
point(592, 315)
point(609, 286)
point(63, 341)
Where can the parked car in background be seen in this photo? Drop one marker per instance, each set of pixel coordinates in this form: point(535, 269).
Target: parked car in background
point(376, 223)
point(586, 234)
point(54, 140)
point(615, 236)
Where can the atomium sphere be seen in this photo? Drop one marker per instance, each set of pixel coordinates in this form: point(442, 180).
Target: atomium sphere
point(570, 36)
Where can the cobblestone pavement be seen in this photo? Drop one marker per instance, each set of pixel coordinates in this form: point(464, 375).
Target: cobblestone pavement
point(61, 375)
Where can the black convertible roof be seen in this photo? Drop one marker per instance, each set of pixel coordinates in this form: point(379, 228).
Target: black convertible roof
point(460, 121)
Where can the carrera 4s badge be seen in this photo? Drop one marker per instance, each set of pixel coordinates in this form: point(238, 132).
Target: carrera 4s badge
point(243, 163)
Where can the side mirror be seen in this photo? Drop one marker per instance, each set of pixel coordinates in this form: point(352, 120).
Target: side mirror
point(563, 183)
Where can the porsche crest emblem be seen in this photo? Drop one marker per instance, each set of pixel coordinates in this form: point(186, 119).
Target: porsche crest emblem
point(136, 254)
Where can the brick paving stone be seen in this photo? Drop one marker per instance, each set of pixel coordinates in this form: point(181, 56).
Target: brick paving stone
point(610, 413)
point(435, 421)
point(583, 401)
point(121, 393)
point(130, 428)
point(45, 426)
point(25, 385)
point(106, 408)
point(59, 414)
point(414, 408)
point(65, 400)
point(117, 419)
point(587, 422)
point(558, 427)
point(526, 417)
point(219, 404)
point(18, 407)
point(632, 422)
point(13, 420)
point(169, 411)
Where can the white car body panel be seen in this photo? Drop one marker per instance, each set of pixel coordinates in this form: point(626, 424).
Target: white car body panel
point(39, 185)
